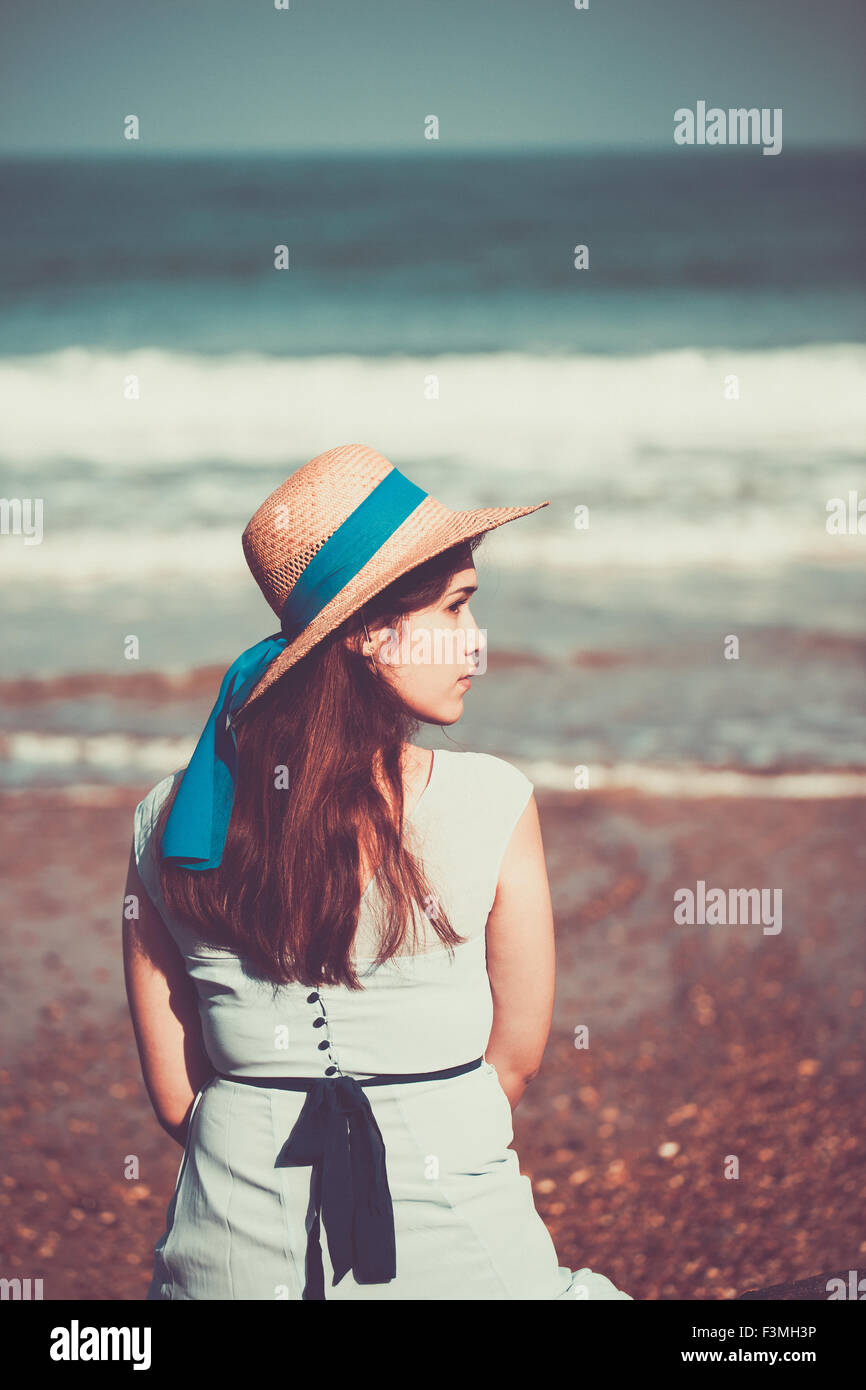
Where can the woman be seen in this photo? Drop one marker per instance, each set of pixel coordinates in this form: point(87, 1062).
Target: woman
point(341, 975)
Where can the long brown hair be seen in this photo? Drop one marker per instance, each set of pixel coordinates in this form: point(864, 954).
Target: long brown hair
point(287, 893)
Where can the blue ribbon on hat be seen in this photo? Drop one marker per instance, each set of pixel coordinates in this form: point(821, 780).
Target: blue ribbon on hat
point(197, 825)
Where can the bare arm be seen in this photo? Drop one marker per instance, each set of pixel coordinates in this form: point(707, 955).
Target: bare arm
point(164, 1009)
point(521, 959)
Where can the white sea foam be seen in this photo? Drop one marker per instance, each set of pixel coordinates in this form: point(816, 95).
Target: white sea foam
point(690, 780)
point(565, 417)
point(28, 754)
point(34, 757)
point(672, 473)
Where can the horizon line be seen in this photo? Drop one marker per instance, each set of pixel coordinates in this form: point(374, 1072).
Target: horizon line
point(331, 152)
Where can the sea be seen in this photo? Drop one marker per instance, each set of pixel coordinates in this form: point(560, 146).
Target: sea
point(669, 349)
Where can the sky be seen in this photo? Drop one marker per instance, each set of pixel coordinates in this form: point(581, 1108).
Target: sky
point(210, 76)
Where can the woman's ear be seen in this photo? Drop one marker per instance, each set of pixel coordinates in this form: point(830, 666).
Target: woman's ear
point(360, 642)
point(374, 646)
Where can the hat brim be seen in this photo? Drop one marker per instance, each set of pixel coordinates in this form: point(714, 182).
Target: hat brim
point(411, 544)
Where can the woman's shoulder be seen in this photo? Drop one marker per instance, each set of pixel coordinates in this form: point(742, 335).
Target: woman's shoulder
point(148, 809)
point(484, 798)
point(143, 826)
point(494, 782)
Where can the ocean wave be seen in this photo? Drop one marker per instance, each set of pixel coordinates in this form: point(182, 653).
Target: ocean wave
point(212, 559)
point(86, 762)
point(499, 418)
point(672, 472)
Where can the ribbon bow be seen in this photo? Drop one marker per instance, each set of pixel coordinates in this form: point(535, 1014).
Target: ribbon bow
point(336, 1133)
point(196, 828)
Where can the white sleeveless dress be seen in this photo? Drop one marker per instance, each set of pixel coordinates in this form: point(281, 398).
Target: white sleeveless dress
point(465, 1221)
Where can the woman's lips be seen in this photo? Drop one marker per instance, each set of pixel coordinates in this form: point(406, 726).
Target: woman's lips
point(465, 681)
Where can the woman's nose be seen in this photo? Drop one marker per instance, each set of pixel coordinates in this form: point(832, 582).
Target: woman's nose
point(477, 638)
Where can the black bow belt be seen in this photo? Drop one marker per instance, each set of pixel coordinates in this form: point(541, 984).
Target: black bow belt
point(337, 1135)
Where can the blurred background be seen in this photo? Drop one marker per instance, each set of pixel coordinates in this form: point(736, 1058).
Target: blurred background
point(699, 388)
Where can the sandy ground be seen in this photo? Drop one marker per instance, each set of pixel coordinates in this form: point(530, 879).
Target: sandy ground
point(704, 1043)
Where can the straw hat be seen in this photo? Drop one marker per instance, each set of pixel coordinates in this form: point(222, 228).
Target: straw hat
point(303, 513)
point(336, 533)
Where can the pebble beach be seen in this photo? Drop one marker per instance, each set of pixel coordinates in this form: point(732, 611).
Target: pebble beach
point(702, 1048)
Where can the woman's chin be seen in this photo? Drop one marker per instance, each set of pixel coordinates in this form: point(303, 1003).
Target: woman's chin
point(445, 711)
point(452, 709)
